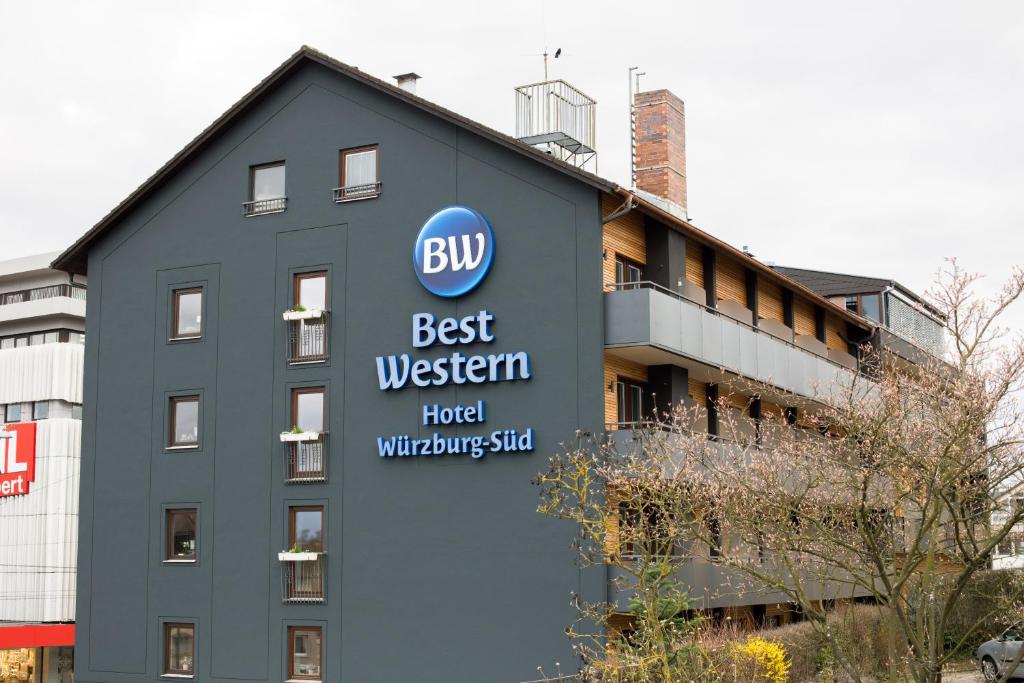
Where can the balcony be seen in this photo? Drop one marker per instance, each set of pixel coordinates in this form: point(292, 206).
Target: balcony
point(53, 301)
point(305, 459)
point(356, 192)
point(303, 577)
point(260, 207)
point(308, 336)
point(652, 325)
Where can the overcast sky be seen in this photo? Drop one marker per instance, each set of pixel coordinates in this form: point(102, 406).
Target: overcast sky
point(870, 137)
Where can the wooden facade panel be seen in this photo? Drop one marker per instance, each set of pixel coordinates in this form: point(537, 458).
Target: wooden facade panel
point(803, 316)
point(698, 392)
point(731, 281)
point(624, 236)
point(769, 300)
point(834, 332)
point(694, 264)
point(615, 367)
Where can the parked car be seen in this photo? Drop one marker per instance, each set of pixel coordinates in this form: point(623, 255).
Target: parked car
point(1001, 652)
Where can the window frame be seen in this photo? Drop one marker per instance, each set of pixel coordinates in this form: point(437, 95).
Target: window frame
point(172, 423)
point(166, 669)
point(312, 389)
point(623, 266)
point(176, 294)
point(294, 630)
point(626, 388)
point(169, 514)
point(297, 279)
point(340, 194)
point(252, 180)
point(36, 405)
point(7, 413)
point(322, 509)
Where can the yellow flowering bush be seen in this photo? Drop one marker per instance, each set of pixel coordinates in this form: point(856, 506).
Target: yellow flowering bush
point(768, 657)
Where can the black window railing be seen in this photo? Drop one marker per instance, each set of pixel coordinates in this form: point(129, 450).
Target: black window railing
point(306, 461)
point(39, 293)
point(308, 339)
point(352, 192)
point(258, 207)
point(304, 580)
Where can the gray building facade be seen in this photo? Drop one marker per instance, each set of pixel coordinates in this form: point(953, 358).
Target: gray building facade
point(436, 568)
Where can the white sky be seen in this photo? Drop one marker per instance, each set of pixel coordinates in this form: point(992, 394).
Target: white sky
point(875, 137)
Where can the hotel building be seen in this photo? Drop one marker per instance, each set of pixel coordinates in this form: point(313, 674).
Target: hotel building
point(308, 456)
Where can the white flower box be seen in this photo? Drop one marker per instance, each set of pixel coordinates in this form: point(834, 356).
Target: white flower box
point(300, 436)
point(308, 314)
point(289, 556)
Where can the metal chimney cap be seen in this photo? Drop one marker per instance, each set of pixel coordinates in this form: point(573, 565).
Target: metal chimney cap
point(411, 76)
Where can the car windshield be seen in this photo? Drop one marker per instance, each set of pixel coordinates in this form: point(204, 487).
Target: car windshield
point(1012, 633)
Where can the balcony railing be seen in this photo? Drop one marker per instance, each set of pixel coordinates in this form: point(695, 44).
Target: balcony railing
point(304, 580)
point(308, 339)
point(354, 192)
point(259, 207)
point(40, 293)
point(305, 462)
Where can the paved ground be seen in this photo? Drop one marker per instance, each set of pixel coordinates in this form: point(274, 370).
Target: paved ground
point(962, 677)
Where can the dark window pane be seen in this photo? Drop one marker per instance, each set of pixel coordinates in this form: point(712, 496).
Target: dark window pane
point(851, 303)
point(306, 654)
point(870, 307)
point(40, 410)
point(268, 182)
point(181, 534)
point(13, 412)
point(180, 644)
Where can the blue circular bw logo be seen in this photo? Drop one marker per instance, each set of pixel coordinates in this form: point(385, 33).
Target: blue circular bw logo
point(453, 251)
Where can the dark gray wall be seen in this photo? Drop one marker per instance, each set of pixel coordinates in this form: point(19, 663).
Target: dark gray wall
point(439, 569)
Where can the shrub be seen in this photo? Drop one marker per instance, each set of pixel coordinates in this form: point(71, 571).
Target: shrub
point(766, 658)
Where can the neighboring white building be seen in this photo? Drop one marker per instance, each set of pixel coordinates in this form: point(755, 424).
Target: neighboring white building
point(1010, 553)
point(42, 323)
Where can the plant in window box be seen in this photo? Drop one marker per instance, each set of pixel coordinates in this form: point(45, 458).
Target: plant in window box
point(297, 554)
point(300, 312)
point(296, 433)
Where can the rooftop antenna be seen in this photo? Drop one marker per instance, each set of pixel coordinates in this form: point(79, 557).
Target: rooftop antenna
point(558, 53)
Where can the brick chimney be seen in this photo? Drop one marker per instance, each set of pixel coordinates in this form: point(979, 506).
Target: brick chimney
point(661, 149)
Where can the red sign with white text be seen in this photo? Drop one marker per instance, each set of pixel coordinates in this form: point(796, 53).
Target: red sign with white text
point(17, 458)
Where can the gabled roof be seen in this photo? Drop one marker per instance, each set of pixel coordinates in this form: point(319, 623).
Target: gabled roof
point(839, 284)
point(74, 258)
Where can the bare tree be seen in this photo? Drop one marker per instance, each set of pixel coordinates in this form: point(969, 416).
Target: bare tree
point(883, 489)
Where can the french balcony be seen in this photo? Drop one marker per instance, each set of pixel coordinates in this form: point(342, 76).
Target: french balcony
point(305, 457)
point(308, 336)
point(652, 325)
point(259, 207)
point(303, 577)
point(352, 193)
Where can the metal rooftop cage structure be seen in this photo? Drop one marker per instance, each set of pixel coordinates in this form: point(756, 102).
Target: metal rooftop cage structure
point(559, 119)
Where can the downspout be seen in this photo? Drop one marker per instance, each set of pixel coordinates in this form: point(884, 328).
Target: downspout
point(621, 211)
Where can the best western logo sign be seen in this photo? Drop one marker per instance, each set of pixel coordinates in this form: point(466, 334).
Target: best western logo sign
point(453, 251)
point(17, 458)
point(452, 255)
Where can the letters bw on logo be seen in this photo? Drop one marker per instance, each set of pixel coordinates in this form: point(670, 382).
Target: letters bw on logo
point(453, 251)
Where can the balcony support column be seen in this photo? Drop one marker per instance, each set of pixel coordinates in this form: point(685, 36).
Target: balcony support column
point(710, 276)
point(666, 256)
point(670, 386)
point(751, 283)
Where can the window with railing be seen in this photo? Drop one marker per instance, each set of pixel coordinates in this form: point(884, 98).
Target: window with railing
point(308, 318)
point(303, 565)
point(305, 444)
point(359, 174)
point(266, 190)
point(71, 291)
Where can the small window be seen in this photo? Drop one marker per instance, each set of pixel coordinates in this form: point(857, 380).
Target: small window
point(7, 343)
point(187, 320)
point(308, 409)
point(627, 272)
point(13, 412)
point(310, 290)
point(179, 649)
point(76, 411)
point(51, 337)
point(21, 341)
point(629, 395)
point(305, 653)
point(184, 422)
point(266, 189)
point(40, 410)
point(306, 528)
point(181, 535)
point(869, 307)
point(360, 174)
point(36, 339)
